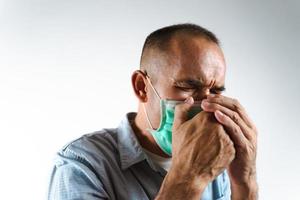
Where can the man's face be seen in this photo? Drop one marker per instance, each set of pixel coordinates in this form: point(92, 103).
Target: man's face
point(195, 67)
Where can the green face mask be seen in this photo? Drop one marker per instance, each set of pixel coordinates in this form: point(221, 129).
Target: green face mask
point(163, 135)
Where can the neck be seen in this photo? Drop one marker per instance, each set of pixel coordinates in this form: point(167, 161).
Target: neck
point(146, 140)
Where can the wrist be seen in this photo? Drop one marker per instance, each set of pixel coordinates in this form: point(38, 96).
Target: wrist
point(177, 185)
point(245, 191)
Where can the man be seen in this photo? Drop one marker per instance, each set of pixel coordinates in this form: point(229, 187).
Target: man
point(186, 141)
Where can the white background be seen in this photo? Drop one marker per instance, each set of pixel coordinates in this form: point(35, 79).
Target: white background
point(65, 68)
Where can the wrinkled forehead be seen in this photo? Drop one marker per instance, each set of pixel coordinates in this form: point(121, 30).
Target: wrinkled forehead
point(195, 58)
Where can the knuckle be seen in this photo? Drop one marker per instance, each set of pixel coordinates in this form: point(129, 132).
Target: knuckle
point(237, 130)
point(223, 135)
point(228, 141)
point(229, 146)
point(231, 150)
point(236, 118)
point(236, 104)
point(235, 101)
point(240, 109)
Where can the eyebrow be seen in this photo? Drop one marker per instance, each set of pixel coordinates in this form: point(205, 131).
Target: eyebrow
point(198, 83)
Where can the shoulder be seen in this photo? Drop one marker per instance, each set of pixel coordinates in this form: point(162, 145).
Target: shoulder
point(78, 167)
point(93, 148)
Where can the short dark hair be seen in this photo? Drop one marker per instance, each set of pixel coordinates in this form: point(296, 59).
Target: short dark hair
point(160, 38)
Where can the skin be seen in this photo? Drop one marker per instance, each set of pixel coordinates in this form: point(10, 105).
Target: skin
point(194, 70)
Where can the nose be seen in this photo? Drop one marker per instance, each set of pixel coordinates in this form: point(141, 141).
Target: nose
point(201, 94)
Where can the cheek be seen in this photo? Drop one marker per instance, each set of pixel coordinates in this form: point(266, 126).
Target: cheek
point(153, 109)
point(153, 103)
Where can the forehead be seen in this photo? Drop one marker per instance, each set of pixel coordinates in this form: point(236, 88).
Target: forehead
point(196, 59)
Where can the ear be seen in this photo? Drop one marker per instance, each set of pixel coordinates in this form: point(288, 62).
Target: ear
point(138, 80)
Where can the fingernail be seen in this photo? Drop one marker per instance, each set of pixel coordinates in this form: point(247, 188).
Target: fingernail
point(205, 103)
point(219, 113)
point(189, 100)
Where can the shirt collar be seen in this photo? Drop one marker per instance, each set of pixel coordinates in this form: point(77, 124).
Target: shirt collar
point(130, 150)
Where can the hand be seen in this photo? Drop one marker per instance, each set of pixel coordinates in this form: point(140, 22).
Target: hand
point(243, 133)
point(201, 149)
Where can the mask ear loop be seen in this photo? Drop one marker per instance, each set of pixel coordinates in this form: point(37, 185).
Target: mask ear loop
point(147, 117)
point(149, 81)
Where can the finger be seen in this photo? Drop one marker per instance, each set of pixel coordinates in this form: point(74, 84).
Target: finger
point(232, 104)
point(181, 112)
point(232, 129)
point(234, 116)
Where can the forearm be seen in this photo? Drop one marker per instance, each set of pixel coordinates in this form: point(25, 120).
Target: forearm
point(247, 191)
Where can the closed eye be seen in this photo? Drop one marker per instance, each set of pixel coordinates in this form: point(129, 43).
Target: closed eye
point(192, 86)
point(217, 90)
point(188, 89)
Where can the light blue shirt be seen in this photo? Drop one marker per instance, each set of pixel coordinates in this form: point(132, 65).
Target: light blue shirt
point(111, 164)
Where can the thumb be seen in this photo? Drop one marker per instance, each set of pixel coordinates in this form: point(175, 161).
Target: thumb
point(181, 111)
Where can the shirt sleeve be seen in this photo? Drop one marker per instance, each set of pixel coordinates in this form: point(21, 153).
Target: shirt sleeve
point(226, 186)
point(221, 188)
point(72, 179)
